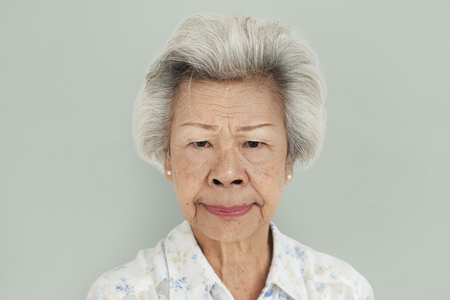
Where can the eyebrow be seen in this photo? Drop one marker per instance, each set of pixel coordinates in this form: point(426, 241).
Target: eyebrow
point(213, 127)
point(249, 128)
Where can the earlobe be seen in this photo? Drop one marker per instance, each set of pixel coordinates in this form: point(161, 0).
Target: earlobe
point(288, 178)
point(168, 167)
point(289, 170)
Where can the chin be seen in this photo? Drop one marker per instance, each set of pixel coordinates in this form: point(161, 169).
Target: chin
point(227, 230)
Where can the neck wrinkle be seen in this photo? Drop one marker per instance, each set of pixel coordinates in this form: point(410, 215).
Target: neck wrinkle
point(251, 256)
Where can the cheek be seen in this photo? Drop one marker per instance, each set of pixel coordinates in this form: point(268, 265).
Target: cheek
point(189, 175)
point(269, 172)
point(268, 181)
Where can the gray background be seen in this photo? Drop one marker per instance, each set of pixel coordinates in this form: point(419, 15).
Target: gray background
point(76, 199)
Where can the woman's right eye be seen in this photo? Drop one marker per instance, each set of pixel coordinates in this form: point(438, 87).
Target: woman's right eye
point(201, 144)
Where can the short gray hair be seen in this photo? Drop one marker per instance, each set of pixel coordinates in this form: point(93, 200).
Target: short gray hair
point(219, 47)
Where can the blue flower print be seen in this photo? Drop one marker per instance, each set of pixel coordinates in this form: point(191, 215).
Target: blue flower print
point(299, 255)
point(268, 293)
point(288, 250)
point(322, 287)
point(207, 285)
point(118, 268)
point(283, 295)
point(179, 284)
point(122, 286)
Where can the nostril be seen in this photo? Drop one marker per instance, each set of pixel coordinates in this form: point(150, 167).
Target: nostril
point(217, 182)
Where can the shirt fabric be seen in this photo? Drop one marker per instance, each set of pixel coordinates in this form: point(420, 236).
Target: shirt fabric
point(177, 269)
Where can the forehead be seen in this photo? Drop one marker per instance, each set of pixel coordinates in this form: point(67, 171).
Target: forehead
point(204, 99)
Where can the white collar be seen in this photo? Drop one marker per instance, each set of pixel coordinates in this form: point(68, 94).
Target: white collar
point(191, 276)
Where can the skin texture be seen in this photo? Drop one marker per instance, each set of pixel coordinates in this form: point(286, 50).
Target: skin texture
point(227, 170)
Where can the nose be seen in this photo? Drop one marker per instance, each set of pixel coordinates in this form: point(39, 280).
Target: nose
point(228, 170)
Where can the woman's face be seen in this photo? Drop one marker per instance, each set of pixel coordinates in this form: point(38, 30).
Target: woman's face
point(228, 156)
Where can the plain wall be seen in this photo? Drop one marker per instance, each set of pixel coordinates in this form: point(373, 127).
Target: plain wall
point(77, 200)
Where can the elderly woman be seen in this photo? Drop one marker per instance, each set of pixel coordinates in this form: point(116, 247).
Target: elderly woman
point(228, 109)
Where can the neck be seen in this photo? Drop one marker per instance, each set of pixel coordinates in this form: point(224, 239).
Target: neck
point(241, 261)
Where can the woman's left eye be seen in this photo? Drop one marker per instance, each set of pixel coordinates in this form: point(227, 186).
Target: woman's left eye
point(252, 144)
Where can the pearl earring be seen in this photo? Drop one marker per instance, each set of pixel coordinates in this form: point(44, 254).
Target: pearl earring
point(169, 172)
point(289, 176)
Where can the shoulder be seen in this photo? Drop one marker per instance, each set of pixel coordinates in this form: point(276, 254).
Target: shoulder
point(133, 280)
point(327, 274)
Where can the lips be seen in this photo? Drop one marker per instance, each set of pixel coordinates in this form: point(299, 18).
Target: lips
point(234, 211)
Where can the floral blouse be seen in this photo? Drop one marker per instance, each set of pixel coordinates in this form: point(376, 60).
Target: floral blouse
point(177, 269)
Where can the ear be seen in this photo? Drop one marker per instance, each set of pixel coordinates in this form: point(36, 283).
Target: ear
point(289, 170)
point(168, 166)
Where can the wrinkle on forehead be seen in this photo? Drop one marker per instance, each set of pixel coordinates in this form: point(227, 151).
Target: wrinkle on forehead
point(229, 93)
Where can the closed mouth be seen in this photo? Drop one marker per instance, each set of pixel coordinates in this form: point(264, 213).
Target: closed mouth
point(233, 211)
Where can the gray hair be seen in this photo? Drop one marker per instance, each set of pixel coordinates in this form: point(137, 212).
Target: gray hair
point(239, 47)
